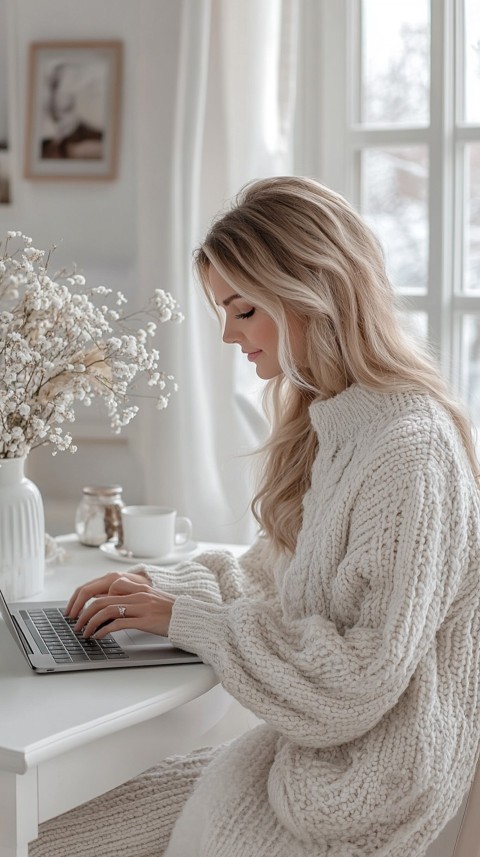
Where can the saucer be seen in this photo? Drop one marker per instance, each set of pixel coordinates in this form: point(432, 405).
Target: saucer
point(179, 553)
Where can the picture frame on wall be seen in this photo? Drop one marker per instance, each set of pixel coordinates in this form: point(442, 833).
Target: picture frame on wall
point(5, 145)
point(73, 110)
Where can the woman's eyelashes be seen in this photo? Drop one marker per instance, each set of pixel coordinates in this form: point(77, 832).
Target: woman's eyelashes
point(246, 314)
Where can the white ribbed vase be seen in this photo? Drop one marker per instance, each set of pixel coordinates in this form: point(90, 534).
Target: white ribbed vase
point(22, 532)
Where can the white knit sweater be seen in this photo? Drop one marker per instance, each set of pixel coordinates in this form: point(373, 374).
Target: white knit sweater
point(361, 653)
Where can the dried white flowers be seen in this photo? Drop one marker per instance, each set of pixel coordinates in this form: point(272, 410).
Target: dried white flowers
point(57, 347)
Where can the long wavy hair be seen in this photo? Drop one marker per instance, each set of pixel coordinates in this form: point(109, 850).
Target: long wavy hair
point(294, 248)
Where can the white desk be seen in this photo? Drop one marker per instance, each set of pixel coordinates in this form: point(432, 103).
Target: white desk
point(56, 729)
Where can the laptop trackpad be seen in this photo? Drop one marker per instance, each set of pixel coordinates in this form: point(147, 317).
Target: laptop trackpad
point(138, 640)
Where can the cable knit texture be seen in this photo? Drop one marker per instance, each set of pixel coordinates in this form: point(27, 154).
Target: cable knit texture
point(360, 652)
point(133, 820)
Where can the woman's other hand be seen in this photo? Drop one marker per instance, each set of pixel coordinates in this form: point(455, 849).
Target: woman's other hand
point(129, 604)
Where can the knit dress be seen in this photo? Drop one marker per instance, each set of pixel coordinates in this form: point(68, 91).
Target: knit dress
point(360, 652)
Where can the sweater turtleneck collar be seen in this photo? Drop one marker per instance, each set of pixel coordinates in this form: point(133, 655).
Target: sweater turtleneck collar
point(343, 416)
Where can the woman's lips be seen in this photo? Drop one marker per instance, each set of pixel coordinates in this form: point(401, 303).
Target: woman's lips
point(253, 354)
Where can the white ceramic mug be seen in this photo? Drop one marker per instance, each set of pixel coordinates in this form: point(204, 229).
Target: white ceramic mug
point(153, 531)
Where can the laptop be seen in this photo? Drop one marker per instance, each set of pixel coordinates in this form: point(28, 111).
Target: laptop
point(47, 640)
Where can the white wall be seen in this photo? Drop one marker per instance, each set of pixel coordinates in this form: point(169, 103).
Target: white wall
point(93, 224)
point(94, 221)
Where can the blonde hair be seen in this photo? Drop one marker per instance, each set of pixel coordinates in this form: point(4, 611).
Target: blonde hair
point(295, 248)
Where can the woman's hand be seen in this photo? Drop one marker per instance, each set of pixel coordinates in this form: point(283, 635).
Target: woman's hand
point(146, 608)
point(113, 583)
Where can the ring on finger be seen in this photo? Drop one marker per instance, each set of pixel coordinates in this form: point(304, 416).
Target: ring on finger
point(121, 610)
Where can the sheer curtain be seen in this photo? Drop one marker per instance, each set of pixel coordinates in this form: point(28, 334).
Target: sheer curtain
point(228, 120)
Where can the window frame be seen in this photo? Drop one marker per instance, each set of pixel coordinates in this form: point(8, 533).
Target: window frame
point(329, 143)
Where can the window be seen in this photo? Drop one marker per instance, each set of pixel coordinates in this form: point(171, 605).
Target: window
point(389, 115)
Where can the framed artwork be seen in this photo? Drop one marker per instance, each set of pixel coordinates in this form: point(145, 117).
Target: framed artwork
point(73, 110)
point(5, 182)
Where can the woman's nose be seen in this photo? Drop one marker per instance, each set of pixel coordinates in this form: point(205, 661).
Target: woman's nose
point(229, 333)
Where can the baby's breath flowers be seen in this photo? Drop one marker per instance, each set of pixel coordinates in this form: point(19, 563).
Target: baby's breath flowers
point(62, 343)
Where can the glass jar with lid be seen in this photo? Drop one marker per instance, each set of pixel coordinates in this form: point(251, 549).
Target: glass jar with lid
point(98, 517)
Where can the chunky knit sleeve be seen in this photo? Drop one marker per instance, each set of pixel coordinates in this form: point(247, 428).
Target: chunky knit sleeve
point(323, 679)
point(217, 576)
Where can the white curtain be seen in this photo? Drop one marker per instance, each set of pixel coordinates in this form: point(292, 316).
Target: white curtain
point(228, 120)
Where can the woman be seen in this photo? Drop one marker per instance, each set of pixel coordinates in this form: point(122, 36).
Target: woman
point(351, 627)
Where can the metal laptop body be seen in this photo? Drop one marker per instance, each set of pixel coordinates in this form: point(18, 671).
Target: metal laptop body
point(123, 649)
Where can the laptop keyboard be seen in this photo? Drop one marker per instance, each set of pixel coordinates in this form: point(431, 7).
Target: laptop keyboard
point(59, 639)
